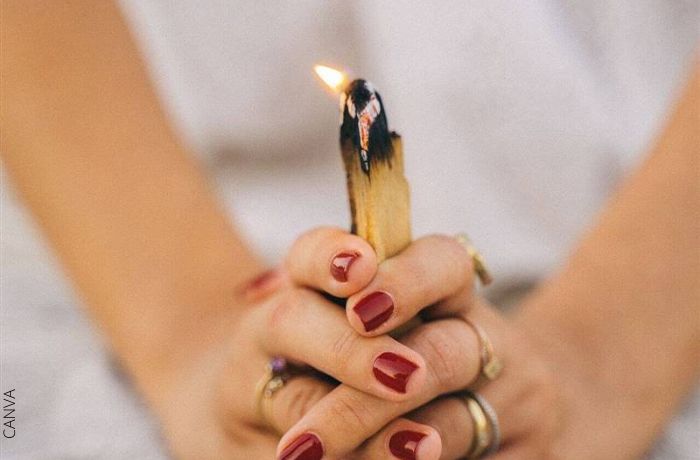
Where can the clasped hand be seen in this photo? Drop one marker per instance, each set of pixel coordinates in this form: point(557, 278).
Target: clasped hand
point(362, 394)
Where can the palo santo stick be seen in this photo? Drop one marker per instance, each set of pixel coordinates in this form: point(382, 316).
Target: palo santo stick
point(373, 159)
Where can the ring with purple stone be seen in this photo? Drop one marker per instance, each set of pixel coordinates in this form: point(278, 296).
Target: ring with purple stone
point(277, 373)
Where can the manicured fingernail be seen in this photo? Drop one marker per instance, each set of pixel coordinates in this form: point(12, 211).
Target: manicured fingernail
point(305, 447)
point(404, 444)
point(261, 282)
point(393, 371)
point(340, 265)
point(374, 309)
point(262, 279)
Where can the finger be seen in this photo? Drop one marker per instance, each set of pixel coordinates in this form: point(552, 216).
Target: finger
point(303, 326)
point(403, 439)
point(451, 419)
point(345, 418)
point(451, 351)
point(429, 270)
point(519, 397)
point(290, 403)
point(456, 305)
point(331, 260)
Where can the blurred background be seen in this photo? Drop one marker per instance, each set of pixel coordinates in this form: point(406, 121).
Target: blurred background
point(519, 120)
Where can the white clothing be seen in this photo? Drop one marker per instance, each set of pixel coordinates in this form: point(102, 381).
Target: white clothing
point(519, 119)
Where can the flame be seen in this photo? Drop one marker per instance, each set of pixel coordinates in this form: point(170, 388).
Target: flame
point(334, 79)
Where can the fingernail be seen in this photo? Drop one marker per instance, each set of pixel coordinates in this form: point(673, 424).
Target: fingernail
point(393, 371)
point(404, 444)
point(305, 447)
point(261, 282)
point(374, 309)
point(340, 265)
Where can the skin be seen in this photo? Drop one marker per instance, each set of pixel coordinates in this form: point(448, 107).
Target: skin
point(166, 276)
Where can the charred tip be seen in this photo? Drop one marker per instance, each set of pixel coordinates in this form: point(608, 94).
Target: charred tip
point(364, 124)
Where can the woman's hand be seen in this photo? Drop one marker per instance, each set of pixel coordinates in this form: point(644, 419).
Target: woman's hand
point(526, 395)
point(284, 315)
point(207, 402)
point(575, 382)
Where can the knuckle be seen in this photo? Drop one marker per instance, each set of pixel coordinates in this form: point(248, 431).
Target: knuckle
point(394, 277)
point(344, 347)
point(409, 276)
point(300, 400)
point(284, 307)
point(445, 243)
point(458, 256)
point(453, 254)
point(351, 412)
point(439, 347)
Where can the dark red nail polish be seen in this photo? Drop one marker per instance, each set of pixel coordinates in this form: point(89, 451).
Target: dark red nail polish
point(340, 265)
point(393, 371)
point(374, 309)
point(262, 280)
point(404, 444)
point(305, 447)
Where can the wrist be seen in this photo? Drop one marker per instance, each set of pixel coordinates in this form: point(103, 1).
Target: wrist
point(600, 420)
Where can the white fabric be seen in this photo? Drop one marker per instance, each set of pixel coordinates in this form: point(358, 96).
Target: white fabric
point(519, 119)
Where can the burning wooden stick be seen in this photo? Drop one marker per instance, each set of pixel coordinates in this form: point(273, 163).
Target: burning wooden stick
point(373, 159)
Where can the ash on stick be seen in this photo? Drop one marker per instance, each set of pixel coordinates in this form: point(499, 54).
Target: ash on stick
point(373, 159)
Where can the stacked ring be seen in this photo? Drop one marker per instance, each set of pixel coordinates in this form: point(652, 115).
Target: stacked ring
point(276, 376)
point(491, 365)
point(482, 431)
point(487, 433)
point(493, 422)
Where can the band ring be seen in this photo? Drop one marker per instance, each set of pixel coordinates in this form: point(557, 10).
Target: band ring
point(487, 433)
point(492, 417)
point(277, 374)
point(491, 365)
point(480, 267)
point(481, 440)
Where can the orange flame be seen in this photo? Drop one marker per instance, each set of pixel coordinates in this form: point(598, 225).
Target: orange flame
point(334, 79)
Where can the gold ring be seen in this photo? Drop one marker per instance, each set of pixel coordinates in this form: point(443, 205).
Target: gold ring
point(479, 264)
point(275, 377)
point(483, 434)
point(492, 417)
point(491, 366)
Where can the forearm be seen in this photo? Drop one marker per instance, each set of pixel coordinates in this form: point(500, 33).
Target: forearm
point(123, 204)
point(624, 312)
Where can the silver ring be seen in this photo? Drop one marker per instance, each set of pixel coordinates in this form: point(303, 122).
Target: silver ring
point(493, 421)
